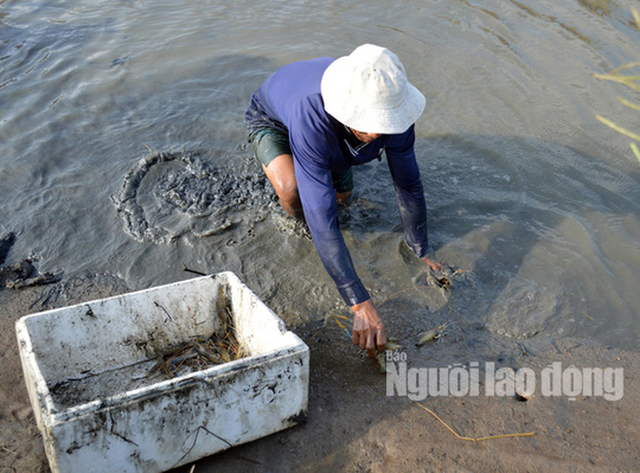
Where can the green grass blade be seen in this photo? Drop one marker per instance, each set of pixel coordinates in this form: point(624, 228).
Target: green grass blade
point(618, 128)
point(624, 67)
point(632, 105)
point(626, 80)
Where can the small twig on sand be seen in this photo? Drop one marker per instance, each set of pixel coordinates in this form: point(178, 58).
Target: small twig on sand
point(8, 450)
point(471, 439)
point(193, 271)
point(588, 316)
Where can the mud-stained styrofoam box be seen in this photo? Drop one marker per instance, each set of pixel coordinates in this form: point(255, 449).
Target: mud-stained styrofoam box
point(87, 369)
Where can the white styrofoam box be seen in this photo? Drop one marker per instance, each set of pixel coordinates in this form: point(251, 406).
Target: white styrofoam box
point(87, 372)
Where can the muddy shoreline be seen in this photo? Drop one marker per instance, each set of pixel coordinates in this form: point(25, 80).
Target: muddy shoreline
point(353, 425)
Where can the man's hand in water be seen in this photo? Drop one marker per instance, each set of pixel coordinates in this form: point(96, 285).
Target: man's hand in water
point(433, 265)
point(368, 329)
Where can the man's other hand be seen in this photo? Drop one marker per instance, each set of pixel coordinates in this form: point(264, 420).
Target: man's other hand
point(433, 265)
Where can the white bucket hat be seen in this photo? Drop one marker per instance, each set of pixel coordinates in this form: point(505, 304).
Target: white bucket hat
point(368, 91)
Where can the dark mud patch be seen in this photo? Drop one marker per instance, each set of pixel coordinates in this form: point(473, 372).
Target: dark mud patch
point(167, 195)
point(22, 274)
point(6, 242)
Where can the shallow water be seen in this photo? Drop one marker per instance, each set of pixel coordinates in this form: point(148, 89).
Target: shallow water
point(537, 200)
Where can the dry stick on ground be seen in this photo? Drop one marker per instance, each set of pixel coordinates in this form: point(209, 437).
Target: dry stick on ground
point(8, 451)
point(192, 271)
point(480, 439)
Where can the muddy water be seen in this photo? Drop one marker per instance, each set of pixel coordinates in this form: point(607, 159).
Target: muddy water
point(122, 151)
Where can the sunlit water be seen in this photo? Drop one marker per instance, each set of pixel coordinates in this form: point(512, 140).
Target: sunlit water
point(527, 192)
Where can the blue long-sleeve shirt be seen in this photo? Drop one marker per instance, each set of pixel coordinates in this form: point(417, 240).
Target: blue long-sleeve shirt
point(290, 100)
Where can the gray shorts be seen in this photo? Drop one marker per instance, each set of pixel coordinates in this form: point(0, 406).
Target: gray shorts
point(270, 143)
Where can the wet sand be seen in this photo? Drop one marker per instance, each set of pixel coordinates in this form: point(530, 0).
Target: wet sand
point(353, 426)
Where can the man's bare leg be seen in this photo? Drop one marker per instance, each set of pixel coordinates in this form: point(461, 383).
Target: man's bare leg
point(281, 174)
point(343, 197)
point(283, 178)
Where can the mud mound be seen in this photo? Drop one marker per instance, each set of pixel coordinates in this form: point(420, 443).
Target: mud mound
point(170, 194)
